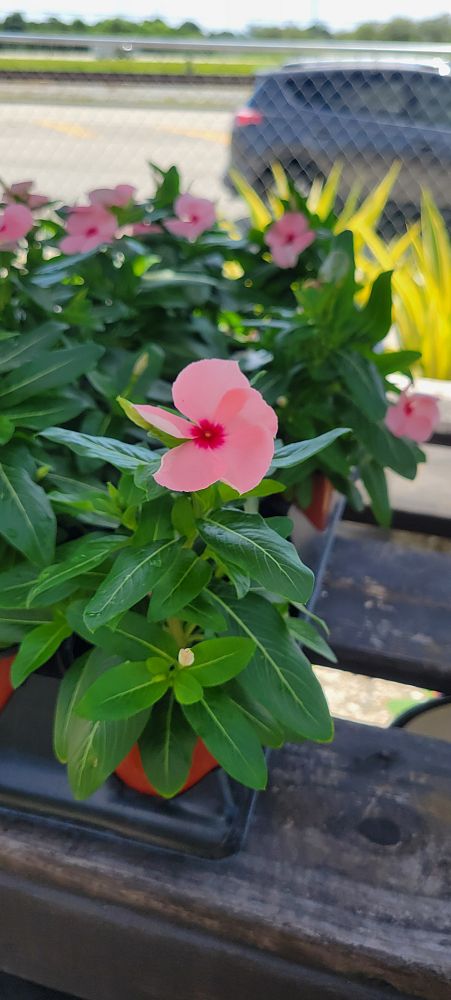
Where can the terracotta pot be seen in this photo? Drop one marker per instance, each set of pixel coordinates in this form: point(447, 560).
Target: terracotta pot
point(320, 505)
point(132, 773)
point(6, 688)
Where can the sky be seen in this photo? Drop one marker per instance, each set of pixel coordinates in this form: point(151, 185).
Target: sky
point(232, 14)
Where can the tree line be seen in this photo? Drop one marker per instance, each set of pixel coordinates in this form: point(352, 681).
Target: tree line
point(398, 29)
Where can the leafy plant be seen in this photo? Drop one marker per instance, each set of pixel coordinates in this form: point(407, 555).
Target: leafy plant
point(184, 614)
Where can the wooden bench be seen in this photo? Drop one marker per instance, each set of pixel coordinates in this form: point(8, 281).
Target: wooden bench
point(342, 890)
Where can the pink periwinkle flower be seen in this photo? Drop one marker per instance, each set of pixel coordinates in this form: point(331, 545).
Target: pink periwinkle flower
point(413, 416)
point(229, 436)
point(116, 197)
point(22, 192)
point(88, 226)
point(15, 222)
point(288, 237)
point(194, 217)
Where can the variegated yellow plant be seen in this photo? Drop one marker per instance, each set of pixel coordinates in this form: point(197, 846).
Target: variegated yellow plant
point(420, 258)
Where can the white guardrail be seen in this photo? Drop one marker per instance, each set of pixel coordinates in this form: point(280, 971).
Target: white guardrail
point(104, 46)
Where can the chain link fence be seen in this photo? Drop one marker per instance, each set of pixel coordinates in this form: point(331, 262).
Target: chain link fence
point(74, 121)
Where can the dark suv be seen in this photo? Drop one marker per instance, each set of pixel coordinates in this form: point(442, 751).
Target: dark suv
point(364, 115)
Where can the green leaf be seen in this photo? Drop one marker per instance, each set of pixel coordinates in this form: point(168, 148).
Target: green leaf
point(240, 579)
point(283, 526)
point(95, 749)
point(294, 454)
point(166, 747)
point(27, 520)
point(37, 648)
point(6, 429)
point(48, 372)
point(125, 690)
point(389, 451)
point(154, 522)
point(373, 478)
point(279, 673)
point(133, 637)
point(269, 731)
point(308, 636)
point(202, 612)
point(183, 517)
point(185, 578)
point(122, 456)
point(75, 559)
point(187, 689)
point(15, 624)
point(15, 584)
point(229, 737)
point(69, 690)
point(267, 488)
point(246, 541)
point(144, 478)
point(218, 660)
point(27, 345)
point(395, 361)
point(363, 382)
point(375, 319)
point(134, 574)
point(41, 412)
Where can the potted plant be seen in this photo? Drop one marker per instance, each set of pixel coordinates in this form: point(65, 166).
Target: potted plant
point(319, 361)
point(188, 655)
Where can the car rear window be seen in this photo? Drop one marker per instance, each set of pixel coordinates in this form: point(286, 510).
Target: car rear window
point(360, 93)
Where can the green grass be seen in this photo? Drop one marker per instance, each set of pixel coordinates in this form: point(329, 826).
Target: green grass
point(136, 67)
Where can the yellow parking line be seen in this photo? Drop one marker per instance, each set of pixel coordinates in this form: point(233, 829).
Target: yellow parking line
point(209, 135)
point(67, 127)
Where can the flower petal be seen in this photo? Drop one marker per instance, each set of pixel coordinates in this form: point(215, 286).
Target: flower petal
point(200, 387)
point(246, 456)
point(188, 468)
point(249, 405)
point(170, 423)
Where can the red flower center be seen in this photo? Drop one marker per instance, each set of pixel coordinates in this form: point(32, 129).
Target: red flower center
point(409, 408)
point(92, 231)
point(206, 434)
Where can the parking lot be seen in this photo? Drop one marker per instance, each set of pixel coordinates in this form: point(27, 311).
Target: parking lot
point(75, 138)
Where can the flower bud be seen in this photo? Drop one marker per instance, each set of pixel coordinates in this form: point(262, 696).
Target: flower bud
point(186, 657)
point(282, 401)
point(140, 365)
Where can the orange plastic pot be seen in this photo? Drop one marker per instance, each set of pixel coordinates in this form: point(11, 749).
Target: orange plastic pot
point(132, 773)
point(6, 688)
point(320, 505)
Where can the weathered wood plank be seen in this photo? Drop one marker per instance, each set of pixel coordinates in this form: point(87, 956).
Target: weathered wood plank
point(386, 598)
point(346, 871)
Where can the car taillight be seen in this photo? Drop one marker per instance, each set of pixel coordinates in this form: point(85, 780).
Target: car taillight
point(248, 116)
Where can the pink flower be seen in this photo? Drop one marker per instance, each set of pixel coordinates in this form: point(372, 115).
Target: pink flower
point(115, 197)
point(414, 416)
point(288, 237)
point(15, 222)
point(21, 192)
point(194, 216)
point(88, 227)
point(229, 436)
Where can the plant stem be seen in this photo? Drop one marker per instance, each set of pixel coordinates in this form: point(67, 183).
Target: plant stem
point(177, 631)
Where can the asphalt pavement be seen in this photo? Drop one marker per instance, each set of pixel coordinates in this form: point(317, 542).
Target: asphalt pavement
point(74, 139)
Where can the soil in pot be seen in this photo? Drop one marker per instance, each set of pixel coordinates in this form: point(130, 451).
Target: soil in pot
point(132, 773)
